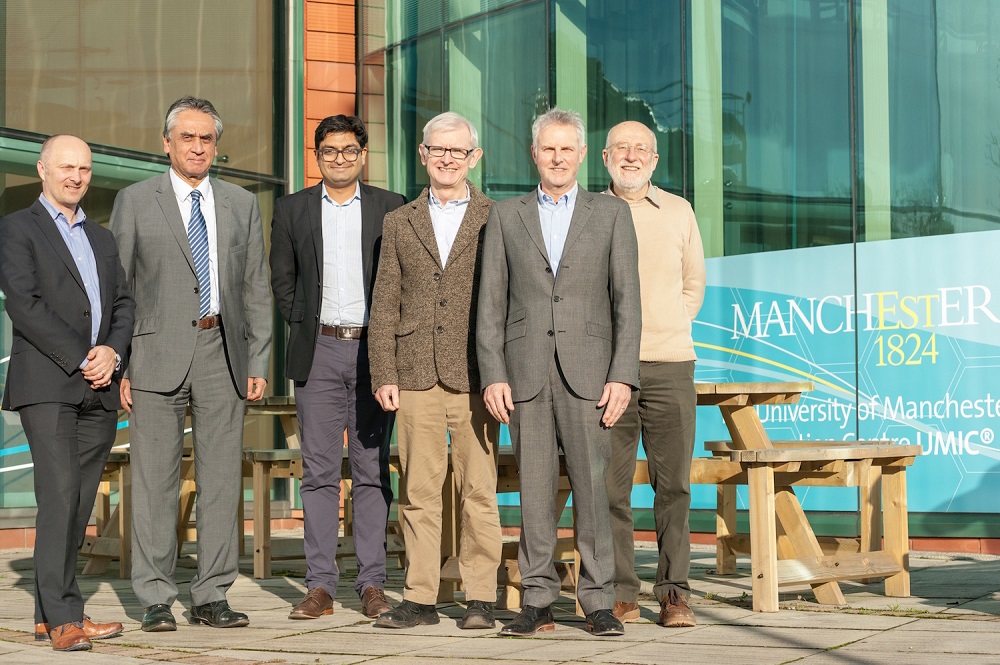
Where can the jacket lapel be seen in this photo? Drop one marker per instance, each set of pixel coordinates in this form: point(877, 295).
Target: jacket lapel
point(51, 233)
point(105, 280)
point(420, 220)
point(314, 217)
point(529, 217)
point(224, 226)
point(167, 201)
point(368, 234)
point(472, 222)
point(581, 217)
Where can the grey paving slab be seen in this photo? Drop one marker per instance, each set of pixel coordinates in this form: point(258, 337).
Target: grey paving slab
point(860, 656)
point(288, 657)
point(821, 619)
point(796, 637)
point(371, 644)
point(658, 653)
point(936, 641)
point(957, 625)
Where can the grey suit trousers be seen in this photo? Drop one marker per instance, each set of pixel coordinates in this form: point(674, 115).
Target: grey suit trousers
point(539, 427)
point(664, 410)
point(338, 396)
point(157, 434)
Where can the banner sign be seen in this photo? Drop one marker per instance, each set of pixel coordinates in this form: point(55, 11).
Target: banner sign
point(901, 339)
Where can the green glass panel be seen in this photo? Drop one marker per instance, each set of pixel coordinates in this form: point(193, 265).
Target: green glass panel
point(944, 116)
point(786, 124)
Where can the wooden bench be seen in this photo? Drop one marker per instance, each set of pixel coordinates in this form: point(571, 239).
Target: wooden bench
point(776, 545)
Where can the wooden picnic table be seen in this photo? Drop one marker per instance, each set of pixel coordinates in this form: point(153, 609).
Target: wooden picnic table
point(783, 547)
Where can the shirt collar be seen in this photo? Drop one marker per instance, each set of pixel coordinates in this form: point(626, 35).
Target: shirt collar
point(182, 190)
point(81, 216)
point(569, 197)
point(356, 197)
point(457, 202)
point(652, 194)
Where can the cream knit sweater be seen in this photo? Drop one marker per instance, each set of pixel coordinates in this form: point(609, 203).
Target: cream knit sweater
point(671, 274)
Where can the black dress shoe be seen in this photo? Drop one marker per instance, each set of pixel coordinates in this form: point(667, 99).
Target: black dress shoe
point(604, 623)
point(407, 615)
point(529, 621)
point(218, 615)
point(478, 614)
point(158, 618)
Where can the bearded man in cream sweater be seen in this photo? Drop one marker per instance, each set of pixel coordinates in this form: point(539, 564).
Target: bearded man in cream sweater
point(672, 287)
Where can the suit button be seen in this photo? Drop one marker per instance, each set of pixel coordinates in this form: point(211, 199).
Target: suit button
point(194, 324)
point(550, 334)
point(439, 329)
point(556, 298)
point(86, 313)
point(444, 301)
point(196, 289)
point(548, 269)
point(437, 277)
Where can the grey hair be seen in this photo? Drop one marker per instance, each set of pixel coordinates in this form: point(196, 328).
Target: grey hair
point(557, 116)
point(449, 120)
point(607, 142)
point(190, 103)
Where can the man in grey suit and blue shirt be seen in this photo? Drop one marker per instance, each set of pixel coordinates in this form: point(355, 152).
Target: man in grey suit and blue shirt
point(193, 251)
point(558, 346)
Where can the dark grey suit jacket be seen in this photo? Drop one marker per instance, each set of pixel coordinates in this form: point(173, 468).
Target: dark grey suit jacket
point(156, 254)
point(297, 263)
point(589, 314)
point(50, 311)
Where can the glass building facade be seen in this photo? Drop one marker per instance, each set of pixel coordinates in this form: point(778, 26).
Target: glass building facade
point(106, 71)
point(843, 161)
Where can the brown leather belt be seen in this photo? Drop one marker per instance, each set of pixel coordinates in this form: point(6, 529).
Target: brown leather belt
point(210, 322)
point(344, 332)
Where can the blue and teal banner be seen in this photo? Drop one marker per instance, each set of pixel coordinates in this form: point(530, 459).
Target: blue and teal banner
point(901, 339)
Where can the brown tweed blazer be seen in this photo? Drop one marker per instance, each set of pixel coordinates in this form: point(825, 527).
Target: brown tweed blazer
point(423, 315)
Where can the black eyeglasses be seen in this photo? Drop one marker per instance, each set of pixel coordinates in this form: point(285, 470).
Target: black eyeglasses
point(330, 154)
point(457, 153)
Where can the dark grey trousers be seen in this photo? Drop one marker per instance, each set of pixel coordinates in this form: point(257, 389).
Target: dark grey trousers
point(338, 396)
point(157, 426)
point(69, 447)
point(539, 427)
point(664, 411)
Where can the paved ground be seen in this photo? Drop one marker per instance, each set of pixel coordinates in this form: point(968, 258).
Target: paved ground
point(953, 617)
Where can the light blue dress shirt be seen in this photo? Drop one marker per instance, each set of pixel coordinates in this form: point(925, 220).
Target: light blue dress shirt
point(555, 217)
point(446, 220)
point(79, 248)
point(343, 271)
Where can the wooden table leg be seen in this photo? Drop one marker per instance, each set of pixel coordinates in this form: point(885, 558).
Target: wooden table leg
point(748, 433)
point(725, 526)
point(262, 520)
point(897, 530)
point(763, 536)
point(870, 510)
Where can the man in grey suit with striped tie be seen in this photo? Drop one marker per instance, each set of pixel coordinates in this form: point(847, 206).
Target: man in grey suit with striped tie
point(193, 252)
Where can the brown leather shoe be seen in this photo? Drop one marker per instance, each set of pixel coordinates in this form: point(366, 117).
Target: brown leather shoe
point(373, 602)
point(93, 631)
point(675, 612)
point(316, 603)
point(626, 612)
point(69, 637)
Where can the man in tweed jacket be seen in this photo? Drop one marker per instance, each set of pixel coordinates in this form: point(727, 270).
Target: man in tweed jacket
point(423, 364)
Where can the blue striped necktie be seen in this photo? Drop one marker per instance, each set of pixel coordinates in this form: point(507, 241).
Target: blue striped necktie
point(198, 238)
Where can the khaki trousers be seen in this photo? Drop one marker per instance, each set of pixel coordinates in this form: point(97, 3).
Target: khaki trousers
point(423, 420)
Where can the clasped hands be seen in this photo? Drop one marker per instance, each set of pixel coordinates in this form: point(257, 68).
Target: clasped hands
point(100, 369)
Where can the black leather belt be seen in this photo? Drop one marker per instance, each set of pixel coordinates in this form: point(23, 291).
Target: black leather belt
point(344, 332)
point(209, 322)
